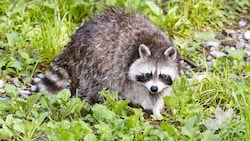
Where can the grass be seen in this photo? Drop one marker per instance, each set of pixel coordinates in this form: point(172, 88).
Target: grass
point(33, 32)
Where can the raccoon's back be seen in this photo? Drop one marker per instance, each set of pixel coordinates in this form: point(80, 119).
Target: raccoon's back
point(111, 40)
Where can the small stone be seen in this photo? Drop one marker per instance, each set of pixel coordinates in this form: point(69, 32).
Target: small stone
point(247, 45)
point(247, 59)
point(1, 83)
point(232, 48)
point(4, 96)
point(40, 75)
point(229, 32)
point(36, 80)
point(182, 72)
point(201, 77)
point(226, 47)
point(15, 81)
point(8, 78)
point(241, 36)
point(190, 80)
point(212, 48)
point(235, 63)
point(218, 54)
point(34, 88)
point(211, 44)
point(24, 96)
point(227, 43)
point(2, 91)
point(220, 37)
point(247, 35)
point(242, 40)
point(24, 92)
point(187, 72)
point(232, 35)
point(240, 45)
point(247, 52)
point(242, 23)
point(209, 58)
point(188, 67)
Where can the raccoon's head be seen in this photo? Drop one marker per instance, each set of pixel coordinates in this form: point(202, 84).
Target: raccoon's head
point(155, 73)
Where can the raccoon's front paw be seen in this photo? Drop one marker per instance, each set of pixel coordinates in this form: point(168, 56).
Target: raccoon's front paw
point(157, 113)
point(157, 108)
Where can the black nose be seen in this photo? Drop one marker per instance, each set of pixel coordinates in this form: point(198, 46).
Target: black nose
point(154, 89)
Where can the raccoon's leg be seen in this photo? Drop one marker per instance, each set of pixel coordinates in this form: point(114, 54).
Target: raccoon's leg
point(74, 81)
point(147, 104)
point(90, 89)
point(157, 107)
point(158, 103)
point(153, 103)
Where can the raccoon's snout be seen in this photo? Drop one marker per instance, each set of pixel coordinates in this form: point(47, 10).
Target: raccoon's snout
point(154, 89)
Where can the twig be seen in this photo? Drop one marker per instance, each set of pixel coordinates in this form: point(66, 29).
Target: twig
point(207, 53)
point(191, 63)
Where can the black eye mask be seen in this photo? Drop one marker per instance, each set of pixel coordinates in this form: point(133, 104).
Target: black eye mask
point(144, 77)
point(166, 79)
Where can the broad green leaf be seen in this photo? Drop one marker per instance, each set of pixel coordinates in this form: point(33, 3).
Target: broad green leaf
point(19, 125)
point(103, 128)
point(161, 135)
point(101, 112)
point(6, 133)
point(90, 137)
point(2, 63)
point(172, 131)
point(131, 121)
point(191, 128)
point(172, 103)
point(64, 112)
point(11, 90)
point(236, 54)
point(9, 120)
point(64, 95)
point(209, 135)
point(15, 64)
point(12, 37)
point(24, 55)
point(33, 99)
point(203, 37)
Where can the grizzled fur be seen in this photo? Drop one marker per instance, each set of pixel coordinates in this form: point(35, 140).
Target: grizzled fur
point(101, 53)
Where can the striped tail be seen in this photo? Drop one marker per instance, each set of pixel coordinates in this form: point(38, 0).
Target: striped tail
point(54, 81)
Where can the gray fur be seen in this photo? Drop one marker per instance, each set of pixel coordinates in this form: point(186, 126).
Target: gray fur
point(105, 50)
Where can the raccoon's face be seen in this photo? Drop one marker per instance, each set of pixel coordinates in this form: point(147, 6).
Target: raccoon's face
point(154, 74)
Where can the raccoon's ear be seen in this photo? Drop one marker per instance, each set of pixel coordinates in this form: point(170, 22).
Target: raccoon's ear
point(171, 54)
point(144, 51)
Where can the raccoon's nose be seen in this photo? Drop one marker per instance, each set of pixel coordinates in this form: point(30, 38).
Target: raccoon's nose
point(154, 89)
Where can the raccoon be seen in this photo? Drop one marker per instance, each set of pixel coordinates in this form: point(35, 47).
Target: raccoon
point(121, 51)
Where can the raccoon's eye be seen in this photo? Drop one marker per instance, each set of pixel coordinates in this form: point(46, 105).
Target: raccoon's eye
point(148, 75)
point(144, 78)
point(166, 79)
